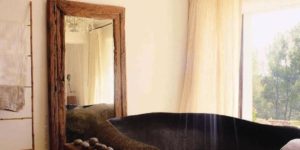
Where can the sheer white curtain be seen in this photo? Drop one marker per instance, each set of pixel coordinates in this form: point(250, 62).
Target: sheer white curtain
point(212, 69)
point(101, 66)
point(94, 65)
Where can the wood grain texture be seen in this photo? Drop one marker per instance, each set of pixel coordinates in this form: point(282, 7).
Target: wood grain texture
point(56, 10)
point(55, 118)
point(89, 10)
point(123, 64)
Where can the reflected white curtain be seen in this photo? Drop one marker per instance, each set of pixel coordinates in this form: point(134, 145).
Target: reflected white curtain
point(101, 66)
point(94, 65)
point(213, 50)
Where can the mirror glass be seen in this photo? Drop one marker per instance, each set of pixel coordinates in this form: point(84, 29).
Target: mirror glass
point(89, 61)
point(89, 73)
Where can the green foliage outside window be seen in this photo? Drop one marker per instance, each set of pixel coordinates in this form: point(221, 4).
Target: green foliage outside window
point(276, 93)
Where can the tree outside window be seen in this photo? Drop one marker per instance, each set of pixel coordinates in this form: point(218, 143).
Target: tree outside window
point(272, 67)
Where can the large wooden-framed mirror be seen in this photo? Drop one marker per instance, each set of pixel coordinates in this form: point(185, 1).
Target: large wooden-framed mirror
point(86, 62)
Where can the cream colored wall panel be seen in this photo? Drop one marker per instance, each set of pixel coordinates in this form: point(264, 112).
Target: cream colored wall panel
point(15, 134)
point(41, 130)
point(25, 112)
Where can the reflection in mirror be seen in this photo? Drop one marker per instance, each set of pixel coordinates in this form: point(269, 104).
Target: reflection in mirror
point(89, 61)
point(89, 73)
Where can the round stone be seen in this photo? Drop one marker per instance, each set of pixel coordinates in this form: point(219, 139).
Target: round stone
point(99, 146)
point(93, 141)
point(77, 142)
point(85, 144)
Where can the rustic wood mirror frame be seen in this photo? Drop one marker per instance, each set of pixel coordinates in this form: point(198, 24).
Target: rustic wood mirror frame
point(56, 10)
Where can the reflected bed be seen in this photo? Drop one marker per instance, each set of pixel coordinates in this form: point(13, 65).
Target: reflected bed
point(81, 120)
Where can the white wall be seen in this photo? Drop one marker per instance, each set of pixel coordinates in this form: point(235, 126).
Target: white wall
point(155, 45)
point(40, 75)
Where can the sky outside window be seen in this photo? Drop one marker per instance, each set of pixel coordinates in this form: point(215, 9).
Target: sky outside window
point(271, 69)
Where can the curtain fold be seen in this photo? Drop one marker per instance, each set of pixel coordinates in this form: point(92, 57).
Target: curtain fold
point(213, 50)
point(94, 65)
point(101, 66)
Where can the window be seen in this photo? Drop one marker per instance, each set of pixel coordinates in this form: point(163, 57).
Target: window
point(271, 67)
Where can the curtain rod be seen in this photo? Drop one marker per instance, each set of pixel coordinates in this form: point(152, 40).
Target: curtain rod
point(101, 27)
